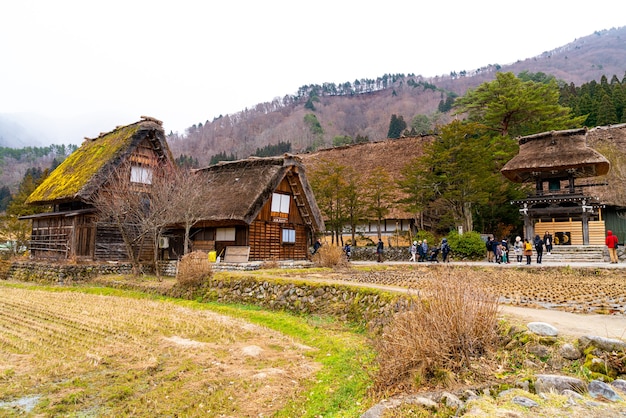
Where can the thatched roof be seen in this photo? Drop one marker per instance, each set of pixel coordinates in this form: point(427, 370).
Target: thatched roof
point(611, 142)
point(393, 155)
point(239, 189)
point(86, 169)
point(554, 153)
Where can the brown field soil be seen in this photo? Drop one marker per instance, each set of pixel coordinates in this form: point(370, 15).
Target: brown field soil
point(146, 357)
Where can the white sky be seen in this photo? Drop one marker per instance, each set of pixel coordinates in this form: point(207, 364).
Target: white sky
point(185, 62)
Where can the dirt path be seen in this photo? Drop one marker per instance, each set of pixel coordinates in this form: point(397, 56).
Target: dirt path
point(571, 324)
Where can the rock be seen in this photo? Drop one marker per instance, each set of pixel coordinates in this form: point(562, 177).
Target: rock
point(451, 401)
point(548, 382)
point(539, 351)
point(523, 384)
point(604, 344)
point(524, 401)
point(619, 384)
point(543, 329)
point(600, 390)
point(569, 352)
point(573, 395)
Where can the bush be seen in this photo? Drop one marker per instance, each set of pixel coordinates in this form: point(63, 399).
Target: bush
point(330, 256)
point(193, 269)
point(469, 245)
point(443, 333)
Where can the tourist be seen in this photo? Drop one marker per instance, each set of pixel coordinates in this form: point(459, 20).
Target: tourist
point(539, 248)
point(445, 250)
point(413, 251)
point(316, 246)
point(611, 243)
point(379, 250)
point(518, 249)
point(490, 249)
point(528, 250)
point(505, 252)
point(547, 241)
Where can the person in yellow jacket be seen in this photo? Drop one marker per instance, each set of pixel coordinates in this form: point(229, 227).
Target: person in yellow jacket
point(528, 250)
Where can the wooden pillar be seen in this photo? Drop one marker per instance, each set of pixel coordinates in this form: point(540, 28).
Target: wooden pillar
point(585, 219)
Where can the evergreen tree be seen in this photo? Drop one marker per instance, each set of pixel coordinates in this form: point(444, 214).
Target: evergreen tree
point(510, 106)
point(396, 126)
point(459, 172)
point(5, 198)
point(271, 150)
point(222, 157)
point(32, 178)
point(606, 111)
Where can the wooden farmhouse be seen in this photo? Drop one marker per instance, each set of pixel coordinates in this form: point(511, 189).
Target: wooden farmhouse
point(71, 230)
point(567, 174)
point(256, 209)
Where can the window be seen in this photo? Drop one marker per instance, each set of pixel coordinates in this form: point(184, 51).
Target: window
point(289, 236)
point(140, 174)
point(280, 203)
point(225, 234)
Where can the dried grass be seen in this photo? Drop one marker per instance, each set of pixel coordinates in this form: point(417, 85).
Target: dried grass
point(193, 269)
point(448, 329)
point(5, 266)
point(330, 256)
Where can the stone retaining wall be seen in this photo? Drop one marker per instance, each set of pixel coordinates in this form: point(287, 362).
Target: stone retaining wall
point(32, 271)
point(361, 305)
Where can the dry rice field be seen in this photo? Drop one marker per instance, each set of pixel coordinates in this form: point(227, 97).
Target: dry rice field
point(70, 353)
point(581, 290)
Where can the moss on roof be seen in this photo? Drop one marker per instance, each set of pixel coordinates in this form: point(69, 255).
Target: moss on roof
point(68, 180)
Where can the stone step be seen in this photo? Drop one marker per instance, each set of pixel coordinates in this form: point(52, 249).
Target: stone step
point(573, 253)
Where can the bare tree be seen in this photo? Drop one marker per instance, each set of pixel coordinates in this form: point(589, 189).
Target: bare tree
point(136, 203)
point(186, 207)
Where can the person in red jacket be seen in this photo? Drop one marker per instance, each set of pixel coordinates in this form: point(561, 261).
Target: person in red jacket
point(611, 242)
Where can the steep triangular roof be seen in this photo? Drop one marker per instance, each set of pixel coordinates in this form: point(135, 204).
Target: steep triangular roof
point(87, 168)
point(239, 189)
point(554, 153)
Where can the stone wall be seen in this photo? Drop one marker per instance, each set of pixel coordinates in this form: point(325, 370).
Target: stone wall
point(32, 271)
point(362, 305)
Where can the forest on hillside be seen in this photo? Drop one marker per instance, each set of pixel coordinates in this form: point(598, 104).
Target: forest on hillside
point(324, 115)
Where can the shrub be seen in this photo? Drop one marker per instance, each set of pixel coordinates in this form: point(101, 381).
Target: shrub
point(469, 245)
point(440, 336)
point(330, 256)
point(193, 269)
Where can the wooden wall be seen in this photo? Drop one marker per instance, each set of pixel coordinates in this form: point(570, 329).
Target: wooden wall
point(51, 237)
point(265, 242)
point(575, 228)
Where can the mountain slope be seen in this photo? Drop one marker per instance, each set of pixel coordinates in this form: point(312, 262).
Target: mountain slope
point(344, 111)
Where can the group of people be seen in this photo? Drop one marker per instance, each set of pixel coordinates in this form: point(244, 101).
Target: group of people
point(420, 251)
point(498, 251)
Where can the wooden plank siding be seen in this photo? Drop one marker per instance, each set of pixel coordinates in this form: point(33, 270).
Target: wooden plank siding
point(575, 228)
point(265, 242)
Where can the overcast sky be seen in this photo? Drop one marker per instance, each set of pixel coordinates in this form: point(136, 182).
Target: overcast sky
point(185, 62)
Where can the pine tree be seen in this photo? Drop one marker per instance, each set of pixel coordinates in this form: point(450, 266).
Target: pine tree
point(510, 106)
point(396, 126)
